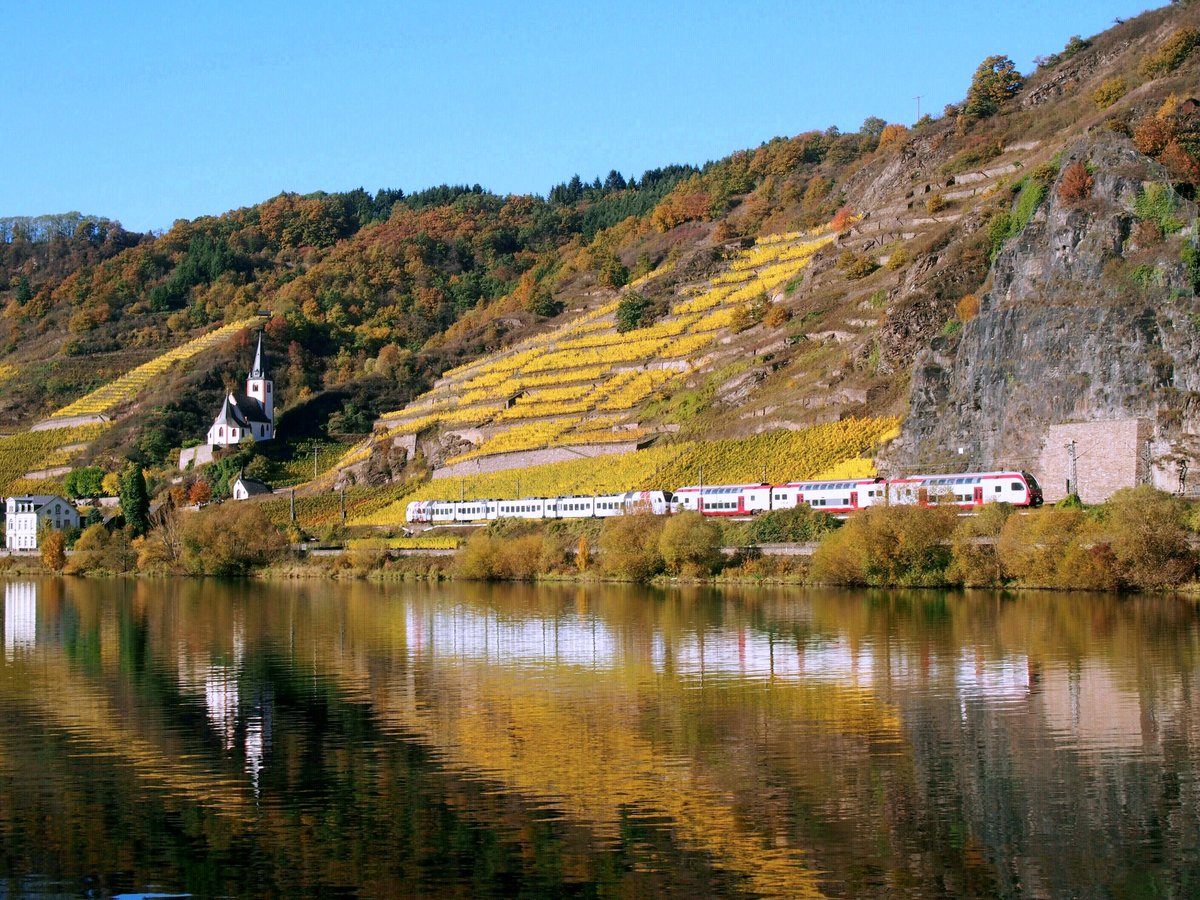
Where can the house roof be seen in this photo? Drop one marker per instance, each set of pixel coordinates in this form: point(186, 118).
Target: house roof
point(252, 487)
point(40, 500)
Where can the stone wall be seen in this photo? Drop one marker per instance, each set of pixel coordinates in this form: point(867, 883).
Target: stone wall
point(194, 457)
point(501, 462)
point(1108, 457)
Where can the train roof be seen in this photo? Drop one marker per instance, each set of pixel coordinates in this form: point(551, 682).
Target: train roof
point(960, 477)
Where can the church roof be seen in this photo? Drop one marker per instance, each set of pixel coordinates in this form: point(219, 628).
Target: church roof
point(241, 410)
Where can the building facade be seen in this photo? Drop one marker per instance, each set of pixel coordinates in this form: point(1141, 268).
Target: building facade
point(25, 516)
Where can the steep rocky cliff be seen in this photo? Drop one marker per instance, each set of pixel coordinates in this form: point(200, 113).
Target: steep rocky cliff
point(1091, 315)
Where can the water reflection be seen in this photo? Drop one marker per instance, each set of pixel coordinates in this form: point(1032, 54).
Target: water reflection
point(325, 739)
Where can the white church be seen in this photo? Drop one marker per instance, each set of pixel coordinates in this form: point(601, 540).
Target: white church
point(249, 416)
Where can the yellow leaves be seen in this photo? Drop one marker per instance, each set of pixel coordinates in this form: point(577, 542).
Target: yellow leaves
point(128, 386)
point(33, 450)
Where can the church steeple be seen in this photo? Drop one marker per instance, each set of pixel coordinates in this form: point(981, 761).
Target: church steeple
point(260, 387)
point(257, 370)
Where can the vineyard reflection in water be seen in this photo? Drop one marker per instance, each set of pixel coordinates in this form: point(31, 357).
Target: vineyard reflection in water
point(393, 740)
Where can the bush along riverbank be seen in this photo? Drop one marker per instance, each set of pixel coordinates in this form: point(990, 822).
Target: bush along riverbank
point(1140, 540)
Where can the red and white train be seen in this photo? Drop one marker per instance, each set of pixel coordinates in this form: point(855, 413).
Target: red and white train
point(966, 490)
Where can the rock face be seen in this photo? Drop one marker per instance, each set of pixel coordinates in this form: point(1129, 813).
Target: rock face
point(1080, 324)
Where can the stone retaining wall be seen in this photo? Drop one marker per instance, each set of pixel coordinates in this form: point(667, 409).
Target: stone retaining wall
point(502, 462)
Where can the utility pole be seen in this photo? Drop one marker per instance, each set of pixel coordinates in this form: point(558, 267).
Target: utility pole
point(918, 99)
point(314, 446)
point(1072, 473)
point(700, 499)
point(293, 506)
point(343, 504)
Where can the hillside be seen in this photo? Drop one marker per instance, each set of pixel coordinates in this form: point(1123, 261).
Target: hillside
point(1024, 259)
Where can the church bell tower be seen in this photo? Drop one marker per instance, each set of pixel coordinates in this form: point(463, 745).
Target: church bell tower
point(261, 388)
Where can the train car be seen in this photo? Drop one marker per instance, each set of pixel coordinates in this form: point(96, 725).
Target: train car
point(724, 499)
point(474, 510)
point(418, 511)
point(830, 496)
point(571, 507)
point(969, 489)
point(522, 508)
point(659, 503)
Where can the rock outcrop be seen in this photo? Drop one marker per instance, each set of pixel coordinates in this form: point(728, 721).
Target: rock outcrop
point(1080, 324)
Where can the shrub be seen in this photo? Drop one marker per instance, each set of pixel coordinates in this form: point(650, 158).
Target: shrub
point(976, 563)
point(1076, 184)
point(690, 544)
point(856, 265)
point(53, 547)
point(229, 539)
point(897, 260)
point(784, 526)
point(1170, 54)
point(629, 547)
point(1152, 134)
point(1058, 548)
point(936, 203)
point(1110, 91)
point(1148, 538)
point(842, 220)
point(89, 552)
point(777, 315)
point(892, 134)
point(967, 308)
point(1181, 164)
point(1156, 203)
point(888, 545)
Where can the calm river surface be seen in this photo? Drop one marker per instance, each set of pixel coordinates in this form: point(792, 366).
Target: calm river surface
point(318, 739)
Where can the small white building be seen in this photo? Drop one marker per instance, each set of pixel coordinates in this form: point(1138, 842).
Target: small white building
point(25, 516)
point(245, 488)
point(249, 416)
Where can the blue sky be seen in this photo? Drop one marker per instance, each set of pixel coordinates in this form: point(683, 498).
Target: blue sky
point(152, 112)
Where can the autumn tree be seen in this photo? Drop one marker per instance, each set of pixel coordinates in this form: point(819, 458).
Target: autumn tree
point(54, 549)
point(996, 81)
point(135, 499)
point(1076, 184)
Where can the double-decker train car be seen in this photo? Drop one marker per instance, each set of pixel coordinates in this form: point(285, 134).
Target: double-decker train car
point(967, 489)
point(445, 512)
point(830, 496)
point(724, 499)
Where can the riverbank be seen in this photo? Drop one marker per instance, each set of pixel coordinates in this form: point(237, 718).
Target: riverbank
point(1140, 540)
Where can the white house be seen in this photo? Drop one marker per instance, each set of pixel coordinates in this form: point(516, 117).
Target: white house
point(25, 516)
point(245, 488)
point(249, 416)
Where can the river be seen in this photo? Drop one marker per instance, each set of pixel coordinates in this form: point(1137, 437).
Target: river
point(331, 739)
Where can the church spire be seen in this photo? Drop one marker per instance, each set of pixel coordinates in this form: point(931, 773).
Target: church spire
point(257, 371)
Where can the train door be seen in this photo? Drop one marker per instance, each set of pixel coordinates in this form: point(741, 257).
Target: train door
point(979, 495)
point(741, 507)
point(854, 497)
point(923, 496)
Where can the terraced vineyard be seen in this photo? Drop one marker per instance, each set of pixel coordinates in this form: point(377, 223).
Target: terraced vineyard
point(319, 510)
point(833, 450)
point(554, 388)
point(33, 450)
point(128, 386)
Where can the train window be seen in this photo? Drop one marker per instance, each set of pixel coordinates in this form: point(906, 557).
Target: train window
point(1016, 486)
point(999, 488)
